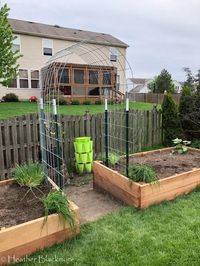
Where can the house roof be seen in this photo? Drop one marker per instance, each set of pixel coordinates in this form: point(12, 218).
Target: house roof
point(139, 81)
point(62, 33)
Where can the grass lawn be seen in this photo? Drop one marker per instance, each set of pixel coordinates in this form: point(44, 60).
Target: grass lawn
point(16, 109)
point(166, 234)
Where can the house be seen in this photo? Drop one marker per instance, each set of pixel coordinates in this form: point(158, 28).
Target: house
point(140, 85)
point(81, 78)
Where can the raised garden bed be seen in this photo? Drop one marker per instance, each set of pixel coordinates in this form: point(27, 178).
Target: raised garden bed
point(178, 174)
point(21, 235)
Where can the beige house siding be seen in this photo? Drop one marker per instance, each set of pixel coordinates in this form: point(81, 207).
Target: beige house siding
point(33, 59)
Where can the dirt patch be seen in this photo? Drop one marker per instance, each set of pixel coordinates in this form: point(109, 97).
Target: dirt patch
point(92, 203)
point(17, 206)
point(166, 164)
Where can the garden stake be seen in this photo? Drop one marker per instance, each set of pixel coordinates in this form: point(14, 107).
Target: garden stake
point(127, 135)
point(106, 131)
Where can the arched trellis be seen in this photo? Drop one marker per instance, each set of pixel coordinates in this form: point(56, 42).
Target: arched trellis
point(95, 56)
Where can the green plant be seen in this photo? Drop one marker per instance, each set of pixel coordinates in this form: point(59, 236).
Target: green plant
point(57, 202)
point(170, 120)
point(196, 144)
point(98, 102)
point(87, 102)
point(62, 101)
point(180, 145)
point(75, 102)
point(142, 173)
point(30, 175)
point(10, 97)
point(113, 158)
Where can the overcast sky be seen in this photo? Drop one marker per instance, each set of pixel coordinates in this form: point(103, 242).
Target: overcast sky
point(160, 33)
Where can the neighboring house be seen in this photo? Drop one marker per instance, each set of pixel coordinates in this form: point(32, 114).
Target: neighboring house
point(38, 42)
point(140, 85)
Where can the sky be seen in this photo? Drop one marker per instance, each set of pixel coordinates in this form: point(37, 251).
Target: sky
point(160, 33)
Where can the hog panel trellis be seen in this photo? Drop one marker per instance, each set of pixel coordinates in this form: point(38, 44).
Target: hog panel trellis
point(19, 137)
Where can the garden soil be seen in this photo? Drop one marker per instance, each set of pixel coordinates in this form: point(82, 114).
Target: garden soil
point(166, 164)
point(17, 206)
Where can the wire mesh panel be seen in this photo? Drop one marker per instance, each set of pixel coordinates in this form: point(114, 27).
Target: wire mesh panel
point(86, 71)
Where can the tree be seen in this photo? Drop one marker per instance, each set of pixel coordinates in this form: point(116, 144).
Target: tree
point(189, 83)
point(162, 83)
point(8, 58)
point(170, 120)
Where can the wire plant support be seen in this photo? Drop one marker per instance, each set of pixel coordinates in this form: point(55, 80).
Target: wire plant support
point(84, 71)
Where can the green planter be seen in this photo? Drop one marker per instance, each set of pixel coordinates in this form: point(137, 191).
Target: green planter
point(80, 168)
point(88, 167)
point(83, 158)
point(90, 157)
point(77, 157)
point(78, 146)
point(87, 146)
point(82, 139)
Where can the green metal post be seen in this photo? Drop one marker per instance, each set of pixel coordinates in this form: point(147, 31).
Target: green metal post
point(127, 136)
point(106, 131)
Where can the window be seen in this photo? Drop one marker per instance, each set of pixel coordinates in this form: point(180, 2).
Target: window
point(34, 78)
point(79, 76)
point(93, 77)
point(47, 45)
point(79, 91)
point(23, 78)
point(65, 90)
point(16, 44)
point(106, 78)
point(63, 76)
point(106, 92)
point(113, 54)
point(93, 91)
point(13, 84)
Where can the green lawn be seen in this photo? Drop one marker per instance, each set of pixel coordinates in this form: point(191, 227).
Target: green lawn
point(16, 109)
point(166, 234)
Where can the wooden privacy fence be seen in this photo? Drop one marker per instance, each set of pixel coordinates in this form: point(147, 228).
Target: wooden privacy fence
point(156, 98)
point(19, 137)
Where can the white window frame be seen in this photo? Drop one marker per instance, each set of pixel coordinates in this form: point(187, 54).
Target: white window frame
point(34, 79)
point(45, 45)
point(114, 53)
point(17, 41)
point(28, 71)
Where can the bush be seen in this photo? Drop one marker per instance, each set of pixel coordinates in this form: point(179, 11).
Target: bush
point(87, 103)
point(98, 102)
point(170, 120)
point(142, 173)
point(62, 101)
point(10, 97)
point(75, 102)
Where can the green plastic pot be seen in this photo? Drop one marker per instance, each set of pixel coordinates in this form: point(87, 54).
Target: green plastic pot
point(82, 139)
point(88, 167)
point(77, 157)
point(83, 158)
point(80, 167)
point(90, 157)
point(87, 146)
point(78, 146)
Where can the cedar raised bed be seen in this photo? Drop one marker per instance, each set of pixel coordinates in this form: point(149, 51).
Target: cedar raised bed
point(144, 195)
point(26, 238)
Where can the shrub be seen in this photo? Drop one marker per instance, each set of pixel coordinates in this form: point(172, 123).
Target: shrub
point(75, 102)
point(196, 144)
point(170, 120)
point(30, 175)
point(33, 99)
point(98, 102)
point(62, 101)
point(142, 173)
point(10, 97)
point(113, 158)
point(86, 102)
point(57, 202)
